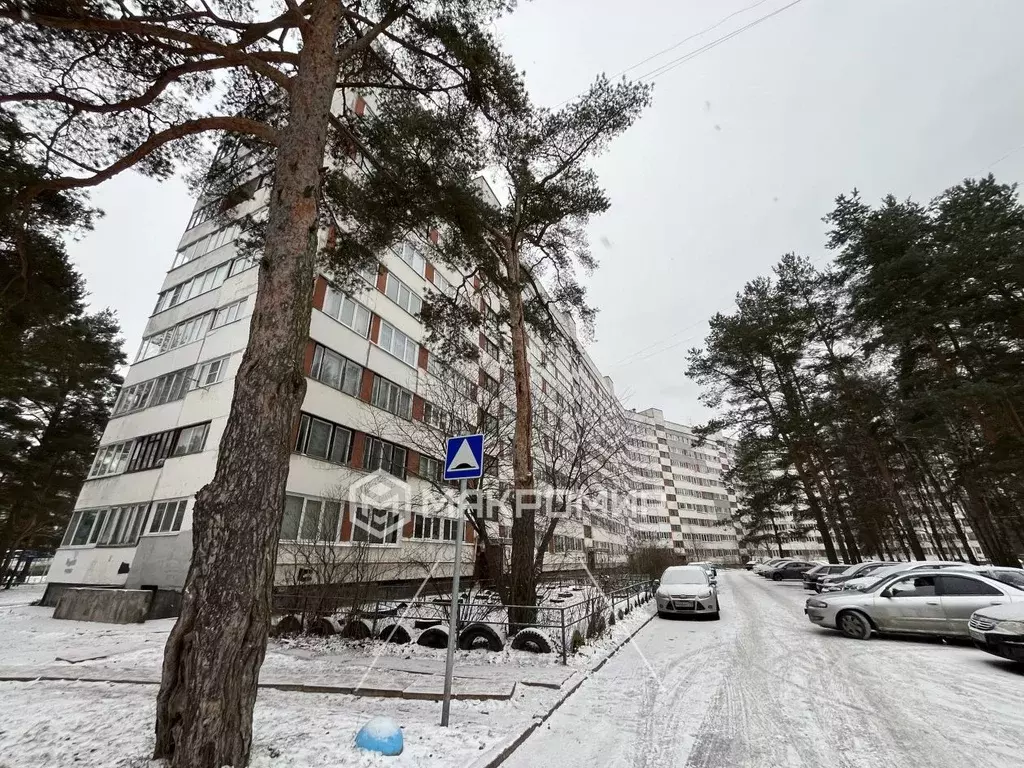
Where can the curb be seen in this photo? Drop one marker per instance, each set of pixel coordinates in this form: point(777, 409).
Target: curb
point(290, 687)
point(507, 751)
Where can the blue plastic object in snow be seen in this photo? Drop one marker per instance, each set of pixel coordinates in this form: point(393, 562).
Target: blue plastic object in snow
point(381, 734)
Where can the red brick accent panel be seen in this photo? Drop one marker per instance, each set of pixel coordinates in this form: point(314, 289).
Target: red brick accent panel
point(366, 386)
point(412, 462)
point(424, 358)
point(332, 236)
point(481, 343)
point(410, 527)
point(417, 408)
point(358, 446)
point(476, 282)
point(382, 278)
point(429, 272)
point(470, 536)
point(307, 358)
point(319, 292)
point(551, 544)
point(375, 328)
point(360, 106)
point(346, 523)
point(433, 235)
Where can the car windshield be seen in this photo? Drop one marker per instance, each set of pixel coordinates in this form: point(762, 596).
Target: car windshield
point(685, 576)
point(882, 575)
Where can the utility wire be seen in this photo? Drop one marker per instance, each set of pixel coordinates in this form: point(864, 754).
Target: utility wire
point(669, 66)
point(688, 38)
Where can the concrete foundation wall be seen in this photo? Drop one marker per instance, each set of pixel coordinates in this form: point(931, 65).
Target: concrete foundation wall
point(112, 606)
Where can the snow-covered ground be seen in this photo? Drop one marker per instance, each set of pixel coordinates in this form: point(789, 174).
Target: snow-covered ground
point(58, 723)
point(763, 687)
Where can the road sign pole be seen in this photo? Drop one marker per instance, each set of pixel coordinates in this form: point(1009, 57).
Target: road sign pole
point(453, 622)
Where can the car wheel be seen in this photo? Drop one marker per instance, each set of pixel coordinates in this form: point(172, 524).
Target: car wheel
point(855, 625)
point(817, 588)
point(776, 577)
point(661, 614)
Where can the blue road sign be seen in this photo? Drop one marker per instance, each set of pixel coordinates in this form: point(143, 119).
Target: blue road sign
point(464, 459)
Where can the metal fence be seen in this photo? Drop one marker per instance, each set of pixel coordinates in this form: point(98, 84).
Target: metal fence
point(565, 606)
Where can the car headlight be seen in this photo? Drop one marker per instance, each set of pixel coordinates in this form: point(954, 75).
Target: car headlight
point(1011, 627)
point(659, 593)
point(816, 604)
point(705, 594)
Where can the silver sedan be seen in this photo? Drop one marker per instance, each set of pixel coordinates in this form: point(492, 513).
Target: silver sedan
point(689, 590)
point(925, 602)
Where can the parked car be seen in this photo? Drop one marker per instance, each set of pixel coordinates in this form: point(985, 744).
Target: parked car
point(1012, 576)
point(710, 568)
point(865, 582)
point(789, 571)
point(687, 590)
point(818, 572)
point(760, 567)
point(922, 601)
point(749, 565)
point(835, 581)
point(999, 630)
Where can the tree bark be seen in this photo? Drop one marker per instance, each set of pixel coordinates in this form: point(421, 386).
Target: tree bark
point(523, 582)
point(817, 512)
point(214, 653)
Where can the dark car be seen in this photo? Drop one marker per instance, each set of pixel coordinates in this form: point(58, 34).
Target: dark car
point(818, 572)
point(794, 570)
point(835, 581)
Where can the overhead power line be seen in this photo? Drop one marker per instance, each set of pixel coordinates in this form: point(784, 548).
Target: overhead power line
point(669, 66)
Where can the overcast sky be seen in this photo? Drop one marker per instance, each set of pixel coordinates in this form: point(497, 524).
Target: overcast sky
point(742, 153)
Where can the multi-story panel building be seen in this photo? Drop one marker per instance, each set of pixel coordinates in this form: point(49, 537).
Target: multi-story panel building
point(372, 405)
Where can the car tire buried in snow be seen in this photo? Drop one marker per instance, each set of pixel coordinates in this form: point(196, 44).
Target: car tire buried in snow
point(356, 629)
point(395, 633)
point(531, 640)
point(324, 626)
point(477, 635)
point(854, 624)
point(434, 637)
point(287, 625)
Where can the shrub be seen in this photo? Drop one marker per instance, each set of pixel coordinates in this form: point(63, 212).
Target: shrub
point(577, 641)
point(621, 614)
point(611, 620)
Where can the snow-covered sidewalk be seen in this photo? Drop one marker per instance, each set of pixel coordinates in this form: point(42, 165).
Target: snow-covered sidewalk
point(108, 723)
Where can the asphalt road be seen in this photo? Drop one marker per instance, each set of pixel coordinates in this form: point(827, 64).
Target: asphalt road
point(763, 687)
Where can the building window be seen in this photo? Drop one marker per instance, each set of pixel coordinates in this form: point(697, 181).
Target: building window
point(80, 528)
point(402, 295)
point(228, 314)
point(489, 347)
point(191, 439)
point(386, 456)
point(434, 528)
point(111, 459)
point(323, 440)
point(211, 372)
point(124, 525)
point(203, 214)
point(375, 526)
point(347, 311)
point(196, 286)
point(430, 469)
point(336, 371)
point(167, 516)
point(176, 336)
point(398, 344)
point(489, 383)
point(411, 255)
point(391, 397)
point(310, 519)
point(204, 245)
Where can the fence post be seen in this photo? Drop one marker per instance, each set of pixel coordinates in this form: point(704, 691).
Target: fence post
point(561, 612)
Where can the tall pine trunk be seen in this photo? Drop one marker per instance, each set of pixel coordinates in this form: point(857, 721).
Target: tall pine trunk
point(523, 582)
point(214, 653)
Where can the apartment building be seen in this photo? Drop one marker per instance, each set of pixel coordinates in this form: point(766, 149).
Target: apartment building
point(378, 403)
